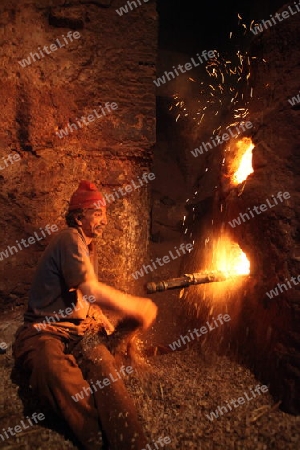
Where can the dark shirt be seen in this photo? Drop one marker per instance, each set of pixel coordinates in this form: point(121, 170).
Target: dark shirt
point(64, 265)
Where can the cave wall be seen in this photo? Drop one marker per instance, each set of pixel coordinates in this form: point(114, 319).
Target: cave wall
point(111, 58)
point(272, 238)
point(263, 332)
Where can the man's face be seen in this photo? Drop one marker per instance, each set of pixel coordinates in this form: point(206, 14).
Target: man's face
point(94, 221)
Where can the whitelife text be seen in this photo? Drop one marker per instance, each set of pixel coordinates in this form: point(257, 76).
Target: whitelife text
point(62, 313)
point(183, 248)
point(6, 434)
point(277, 18)
point(48, 50)
point(236, 402)
point(86, 120)
point(218, 140)
point(259, 209)
point(168, 76)
point(24, 243)
point(134, 184)
point(198, 332)
point(112, 378)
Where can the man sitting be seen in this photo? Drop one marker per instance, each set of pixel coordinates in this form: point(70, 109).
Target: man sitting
point(64, 303)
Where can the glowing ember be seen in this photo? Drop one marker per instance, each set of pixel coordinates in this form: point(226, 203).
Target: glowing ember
point(245, 147)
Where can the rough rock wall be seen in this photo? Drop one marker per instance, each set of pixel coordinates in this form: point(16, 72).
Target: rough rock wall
point(263, 332)
point(273, 239)
point(94, 82)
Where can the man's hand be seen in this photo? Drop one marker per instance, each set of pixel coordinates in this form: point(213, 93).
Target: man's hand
point(147, 313)
point(140, 308)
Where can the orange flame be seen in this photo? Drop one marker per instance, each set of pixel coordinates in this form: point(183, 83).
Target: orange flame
point(244, 160)
point(225, 256)
point(229, 258)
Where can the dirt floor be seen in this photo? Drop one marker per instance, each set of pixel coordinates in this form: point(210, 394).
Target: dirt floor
point(175, 394)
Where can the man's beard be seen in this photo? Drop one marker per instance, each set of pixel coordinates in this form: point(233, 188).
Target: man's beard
point(97, 232)
point(96, 235)
point(93, 231)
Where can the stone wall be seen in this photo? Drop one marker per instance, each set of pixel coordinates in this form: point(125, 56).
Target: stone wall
point(93, 56)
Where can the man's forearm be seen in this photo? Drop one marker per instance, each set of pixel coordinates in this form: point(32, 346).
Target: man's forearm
point(113, 299)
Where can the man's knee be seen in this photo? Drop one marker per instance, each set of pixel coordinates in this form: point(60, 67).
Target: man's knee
point(52, 353)
point(50, 365)
point(43, 362)
point(49, 344)
point(33, 351)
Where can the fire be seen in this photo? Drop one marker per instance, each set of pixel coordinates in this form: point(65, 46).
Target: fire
point(244, 160)
point(238, 262)
point(229, 258)
point(226, 256)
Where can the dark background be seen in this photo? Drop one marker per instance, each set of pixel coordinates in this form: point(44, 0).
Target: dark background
point(187, 24)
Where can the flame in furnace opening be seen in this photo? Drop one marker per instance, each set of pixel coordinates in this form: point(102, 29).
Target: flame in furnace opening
point(229, 258)
point(244, 160)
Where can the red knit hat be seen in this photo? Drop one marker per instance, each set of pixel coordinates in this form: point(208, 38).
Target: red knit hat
point(86, 196)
